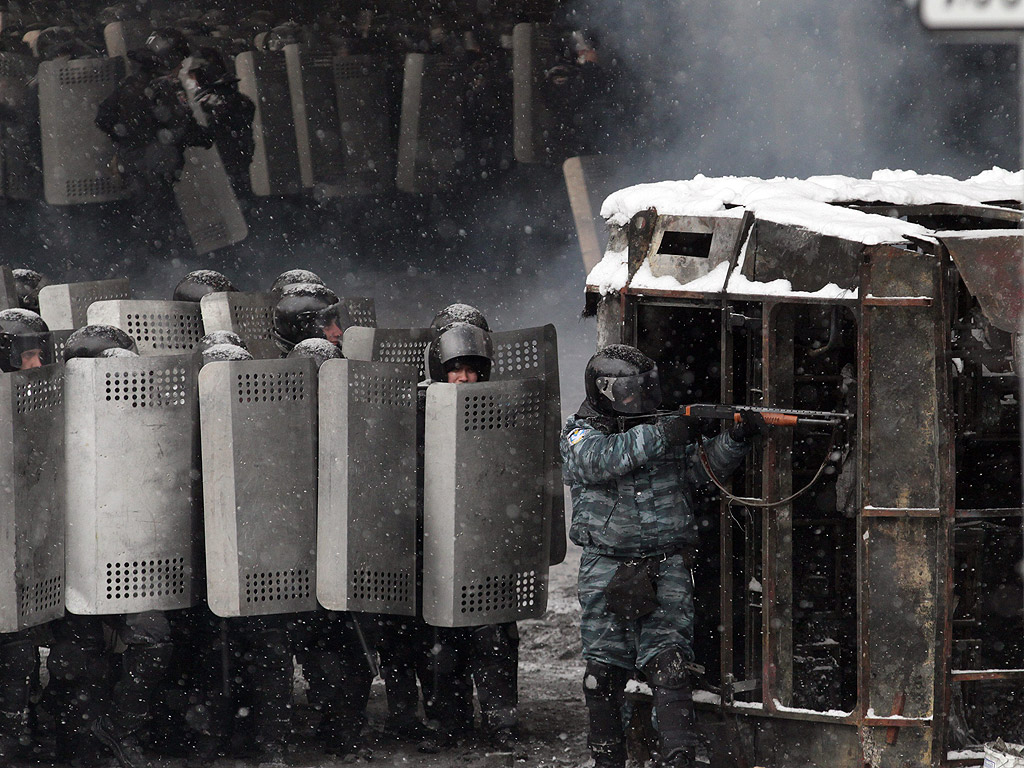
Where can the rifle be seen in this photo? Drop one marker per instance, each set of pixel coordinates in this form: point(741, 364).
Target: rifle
point(778, 417)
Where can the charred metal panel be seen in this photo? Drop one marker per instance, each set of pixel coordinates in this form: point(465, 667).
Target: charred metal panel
point(992, 267)
point(688, 247)
point(912, 747)
point(809, 260)
point(782, 743)
point(639, 236)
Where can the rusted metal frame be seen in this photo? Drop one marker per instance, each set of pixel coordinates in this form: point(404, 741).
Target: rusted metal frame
point(897, 301)
point(777, 523)
point(991, 212)
point(727, 664)
point(980, 514)
point(864, 465)
point(943, 316)
point(965, 675)
point(877, 512)
point(662, 293)
point(898, 722)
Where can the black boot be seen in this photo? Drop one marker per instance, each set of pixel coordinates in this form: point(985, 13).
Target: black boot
point(673, 705)
point(603, 687)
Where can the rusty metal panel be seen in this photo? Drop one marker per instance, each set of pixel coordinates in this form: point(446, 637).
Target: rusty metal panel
point(992, 267)
point(809, 260)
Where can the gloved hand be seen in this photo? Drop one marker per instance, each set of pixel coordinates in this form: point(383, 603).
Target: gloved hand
point(751, 423)
point(678, 428)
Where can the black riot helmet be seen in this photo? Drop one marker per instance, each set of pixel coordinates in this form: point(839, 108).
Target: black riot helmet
point(195, 285)
point(458, 313)
point(167, 47)
point(27, 283)
point(220, 337)
point(291, 277)
point(228, 352)
point(622, 381)
point(22, 331)
point(320, 350)
point(93, 340)
point(461, 344)
point(308, 311)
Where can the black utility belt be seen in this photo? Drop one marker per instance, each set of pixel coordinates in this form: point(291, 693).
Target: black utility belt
point(688, 554)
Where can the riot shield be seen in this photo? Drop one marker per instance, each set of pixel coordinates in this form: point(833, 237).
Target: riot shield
point(366, 532)
point(250, 315)
point(263, 77)
point(485, 555)
point(58, 341)
point(317, 124)
point(158, 327)
point(533, 353)
point(363, 311)
point(430, 129)
point(401, 346)
point(32, 505)
point(208, 203)
point(8, 293)
point(65, 306)
point(361, 90)
point(78, 158)
point(132, 448)
point(125, 35)
point(259, 427)
point(20, 139)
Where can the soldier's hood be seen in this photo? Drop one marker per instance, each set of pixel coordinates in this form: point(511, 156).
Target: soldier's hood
point(607, 424)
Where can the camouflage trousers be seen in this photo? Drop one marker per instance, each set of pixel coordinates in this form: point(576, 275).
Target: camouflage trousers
point(608, 639)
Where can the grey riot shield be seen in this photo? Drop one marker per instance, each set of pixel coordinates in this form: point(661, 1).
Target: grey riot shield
point(32, 505)
point(20, 141)
point(263, 77)
point(402, 346)
point(8, 293)
point(362, 311)
point(361, 88)
point(208, 203)
point(58, 341)
point(541, 114)
point(430, 130)
point(65, 306)
point(366, 534)
point(533, 353)
point(158, 327)
point(78, 158)
point(132, 465)
point(250, 315)
point(317, 123)
point(125, 35)
point(485, 555)
point(259, 427)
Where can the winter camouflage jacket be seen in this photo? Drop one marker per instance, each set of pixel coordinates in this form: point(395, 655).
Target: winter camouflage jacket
point(632, 493)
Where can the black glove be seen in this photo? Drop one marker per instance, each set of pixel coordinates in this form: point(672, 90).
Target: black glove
point(678, 428)
point(751, 423)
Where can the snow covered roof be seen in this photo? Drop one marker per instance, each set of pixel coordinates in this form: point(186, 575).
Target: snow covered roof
point(815, 204)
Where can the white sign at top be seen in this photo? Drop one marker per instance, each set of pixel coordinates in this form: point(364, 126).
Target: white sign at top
point(972, 14)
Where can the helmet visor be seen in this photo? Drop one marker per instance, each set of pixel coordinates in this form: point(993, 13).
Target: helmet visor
point(464, 340)
point(29, 350)
point(632, 394)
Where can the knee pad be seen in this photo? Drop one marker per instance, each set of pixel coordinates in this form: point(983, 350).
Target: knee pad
point(669, 670)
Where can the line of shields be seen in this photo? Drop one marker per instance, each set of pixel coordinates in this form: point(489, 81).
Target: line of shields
point(268, 486)
point(324, 123)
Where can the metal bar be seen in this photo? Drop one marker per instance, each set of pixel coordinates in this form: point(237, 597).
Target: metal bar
point(896, 722)
point(968, 675)
point(897, 301)
point(906, 512)
point(705, 296)
point(725, 533)
point(864, 465)
point(976, 514)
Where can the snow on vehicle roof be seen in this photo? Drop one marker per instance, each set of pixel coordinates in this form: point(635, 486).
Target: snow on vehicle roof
point(813, 204)
point(791, 201)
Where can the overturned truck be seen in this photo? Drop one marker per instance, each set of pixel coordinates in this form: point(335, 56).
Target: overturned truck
point(860, 587)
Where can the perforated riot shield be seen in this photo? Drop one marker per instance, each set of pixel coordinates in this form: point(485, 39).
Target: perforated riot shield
point(132, 448)
point(485, 558)
point(65, 306)
point(402, 346)
point(259, 427)
point(78, 158)
point(158, 327)
point(361, 91)
point(317, 123)
point(250, 315)
point(58, 341)
point(430, 129)
point(366, 535)
point(8, 292)
point(263, 77)
point(363, 311)
point(32, 505)
point(20, 141)
point(533, 353)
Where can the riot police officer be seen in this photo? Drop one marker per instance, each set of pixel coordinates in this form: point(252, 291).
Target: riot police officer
point(24, 340)
point(27, 283)
point(632, 478)
point(199, 283)
point(307, 311)
point(291, 277)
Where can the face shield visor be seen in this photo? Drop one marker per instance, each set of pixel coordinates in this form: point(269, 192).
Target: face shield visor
point(26, 349)
point(332, 320)
point(632, 395)
point(464, 340)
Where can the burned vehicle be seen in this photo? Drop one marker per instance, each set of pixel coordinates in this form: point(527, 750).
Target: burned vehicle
point(859, 589)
